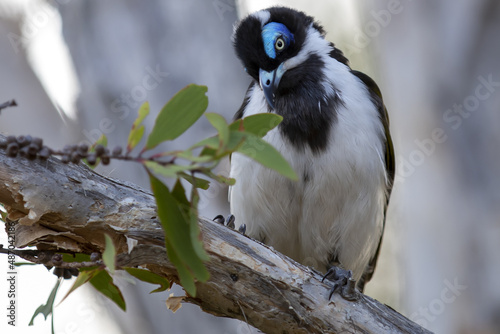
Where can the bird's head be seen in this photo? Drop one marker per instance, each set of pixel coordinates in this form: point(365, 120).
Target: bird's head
point(281, 49)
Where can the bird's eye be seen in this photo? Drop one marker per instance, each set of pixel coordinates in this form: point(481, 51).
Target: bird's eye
point(279, 45)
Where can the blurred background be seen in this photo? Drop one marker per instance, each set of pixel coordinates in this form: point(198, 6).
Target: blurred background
point(79, 69)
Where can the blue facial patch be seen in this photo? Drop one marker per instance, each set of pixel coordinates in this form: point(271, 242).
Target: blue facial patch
point(270, 34)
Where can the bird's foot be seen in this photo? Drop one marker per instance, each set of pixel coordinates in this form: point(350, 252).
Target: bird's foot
point(342, 282)
point(229, 222)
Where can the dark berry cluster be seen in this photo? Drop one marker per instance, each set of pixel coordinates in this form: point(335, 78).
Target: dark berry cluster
point(74, 153)
point(32, 148)
point(66, 273)
point(25, 146)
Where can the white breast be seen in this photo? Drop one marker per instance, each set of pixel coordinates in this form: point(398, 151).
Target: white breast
point(337, 204)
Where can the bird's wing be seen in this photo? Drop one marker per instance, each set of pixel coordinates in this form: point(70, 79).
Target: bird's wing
point(241, 110)
point(389, 163)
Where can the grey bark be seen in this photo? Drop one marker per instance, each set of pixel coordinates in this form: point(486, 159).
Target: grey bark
point(70, 207)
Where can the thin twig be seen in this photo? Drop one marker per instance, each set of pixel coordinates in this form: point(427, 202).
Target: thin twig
point(11, 103)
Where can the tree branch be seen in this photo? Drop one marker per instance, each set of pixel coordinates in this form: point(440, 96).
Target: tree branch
point(69, 207)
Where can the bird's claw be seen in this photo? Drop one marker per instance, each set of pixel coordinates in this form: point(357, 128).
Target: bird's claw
point(242, 229)
point(349, 292)
point(229, 222)
point(343, 282)
point(219, 219)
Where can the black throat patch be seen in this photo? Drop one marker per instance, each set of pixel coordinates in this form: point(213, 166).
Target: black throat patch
point(308, 113)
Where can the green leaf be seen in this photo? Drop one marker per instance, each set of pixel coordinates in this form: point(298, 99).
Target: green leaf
point(188, 155)
point(258, 124)
point(222, 179)
point(191, 216)
point(178, 241)
point(211, 142)
point(186, 278)
point(149, 277)
point(236, 139)
point(48, 307)
point(19, 264)
point(109, 254)
point(220, 124)
point(103, 283)
point(209, 153)
point(103, 140)
point(170, 170)
point(196, 181)
point(195, 228)
point(185, 108)
point(262, 152)
point(137, 131)
point(83, 277)
point(177, 211)
point(78, 257)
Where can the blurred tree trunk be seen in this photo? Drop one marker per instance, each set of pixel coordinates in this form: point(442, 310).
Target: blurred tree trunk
point(441, 70)
point(128, 52)
point(120, 53)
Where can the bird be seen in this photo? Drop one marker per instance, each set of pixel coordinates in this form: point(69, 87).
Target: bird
point(335, 135)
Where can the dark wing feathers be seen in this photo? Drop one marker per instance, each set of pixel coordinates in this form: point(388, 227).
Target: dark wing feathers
point(384, 117)
point(338, 55)
point(239, 113)
point(389, 163)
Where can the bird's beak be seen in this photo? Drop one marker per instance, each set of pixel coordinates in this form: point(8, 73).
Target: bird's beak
point(269, 82)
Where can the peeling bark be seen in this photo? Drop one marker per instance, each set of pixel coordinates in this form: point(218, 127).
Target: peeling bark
point(69, 208)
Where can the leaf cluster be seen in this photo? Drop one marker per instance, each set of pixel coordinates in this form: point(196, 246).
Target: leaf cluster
point(177, 207)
